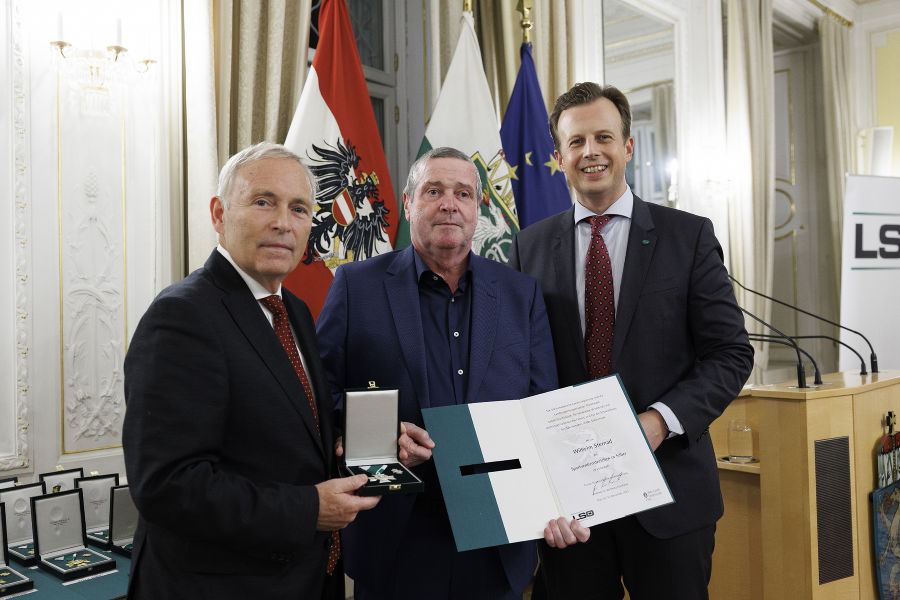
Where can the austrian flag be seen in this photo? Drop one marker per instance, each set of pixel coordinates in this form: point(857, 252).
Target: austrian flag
point(334, 130)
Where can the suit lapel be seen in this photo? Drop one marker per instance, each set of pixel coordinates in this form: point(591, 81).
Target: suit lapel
point(563, 250)
point(641, 245)
point(485, 315)
point(249, 318)
point(402, 292)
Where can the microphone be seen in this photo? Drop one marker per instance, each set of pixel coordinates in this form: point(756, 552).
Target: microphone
point(873, 360)
point(801, 371)
point(765, 337)
point(862, 363)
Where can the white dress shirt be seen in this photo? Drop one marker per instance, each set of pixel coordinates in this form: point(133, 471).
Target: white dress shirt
point(259, 292)
point(615, 236)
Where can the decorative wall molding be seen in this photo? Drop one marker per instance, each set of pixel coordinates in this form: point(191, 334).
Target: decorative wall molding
point(22, 456)
point(92, 279)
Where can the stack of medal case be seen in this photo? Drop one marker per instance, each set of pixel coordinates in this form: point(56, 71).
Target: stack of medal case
point(50, 523)
point(371, 429)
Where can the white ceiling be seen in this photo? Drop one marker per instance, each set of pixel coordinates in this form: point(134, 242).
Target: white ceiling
point(794, 22)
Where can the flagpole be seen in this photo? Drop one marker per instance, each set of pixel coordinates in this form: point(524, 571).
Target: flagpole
point(467, 6)
point(525, 7)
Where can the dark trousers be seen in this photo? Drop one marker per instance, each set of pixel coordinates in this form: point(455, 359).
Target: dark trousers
point(621, 551)
point(334, 583)
point(429, 566)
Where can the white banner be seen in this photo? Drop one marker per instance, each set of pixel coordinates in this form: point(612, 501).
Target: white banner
point(870, 273)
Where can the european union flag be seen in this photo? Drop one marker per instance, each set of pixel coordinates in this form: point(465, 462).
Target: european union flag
point(539, 186)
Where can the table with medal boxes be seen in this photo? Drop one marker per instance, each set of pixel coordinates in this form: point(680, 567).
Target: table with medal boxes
point(66, 525)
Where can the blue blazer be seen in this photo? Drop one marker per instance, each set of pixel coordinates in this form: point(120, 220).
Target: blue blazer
point(679, 339)
point(370, 329)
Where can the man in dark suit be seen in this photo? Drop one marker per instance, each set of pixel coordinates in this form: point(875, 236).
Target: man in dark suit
point(444, 326)
point(639, 290)
point(228, 434)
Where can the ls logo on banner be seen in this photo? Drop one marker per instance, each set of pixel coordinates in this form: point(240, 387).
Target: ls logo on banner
point(886, 236)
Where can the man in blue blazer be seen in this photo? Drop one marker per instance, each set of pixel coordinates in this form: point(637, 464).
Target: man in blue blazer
point(677, 340)
point(228, 434)
point(445, 326)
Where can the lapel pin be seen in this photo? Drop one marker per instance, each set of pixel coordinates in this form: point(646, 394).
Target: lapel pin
point(645, 242)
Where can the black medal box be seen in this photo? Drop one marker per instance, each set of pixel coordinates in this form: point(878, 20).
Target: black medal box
point(19, 535)
point(123, 520)
point(371, 430)
point(11, 581)
point(60, 541)
point(95, 492)
point(61, 480)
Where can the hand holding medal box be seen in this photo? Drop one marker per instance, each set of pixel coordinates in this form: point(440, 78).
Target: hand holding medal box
point(371, 431)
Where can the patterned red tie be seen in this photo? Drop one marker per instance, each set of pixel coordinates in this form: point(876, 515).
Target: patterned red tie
point(282, 326)
point(599, 302)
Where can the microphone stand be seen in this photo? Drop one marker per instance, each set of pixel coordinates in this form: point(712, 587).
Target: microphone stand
point(801, 371)
point(873, 360)
point(765, 337)
point(862, 363)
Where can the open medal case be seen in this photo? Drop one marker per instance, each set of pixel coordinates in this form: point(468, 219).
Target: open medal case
point(61, 481)
point(123, 520)
point(19, 535)
point(95, 493)
point(11, 581)
point(371, 429)
point(8, 482)
point(60, 542)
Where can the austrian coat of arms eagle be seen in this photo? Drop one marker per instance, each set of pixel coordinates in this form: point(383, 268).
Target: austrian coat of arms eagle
point(349, 218)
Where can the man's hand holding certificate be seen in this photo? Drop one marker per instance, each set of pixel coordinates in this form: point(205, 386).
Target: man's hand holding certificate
point(507, 468)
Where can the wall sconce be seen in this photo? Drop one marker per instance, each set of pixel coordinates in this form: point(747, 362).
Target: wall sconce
point(95, 67)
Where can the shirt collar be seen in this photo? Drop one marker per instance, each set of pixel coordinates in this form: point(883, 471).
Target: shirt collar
point(421, 267)
point(622, 207)
point(256, 288)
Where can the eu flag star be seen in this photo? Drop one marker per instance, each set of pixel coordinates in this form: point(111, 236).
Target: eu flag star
point(553, 164)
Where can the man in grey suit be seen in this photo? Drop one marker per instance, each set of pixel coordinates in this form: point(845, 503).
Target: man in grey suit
point(639, 290)
point(228, 436)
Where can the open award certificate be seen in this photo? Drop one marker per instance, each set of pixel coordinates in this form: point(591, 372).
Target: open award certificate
point(506, 468)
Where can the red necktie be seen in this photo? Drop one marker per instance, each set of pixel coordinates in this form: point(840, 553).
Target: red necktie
point(599, 302)
point(282, 326)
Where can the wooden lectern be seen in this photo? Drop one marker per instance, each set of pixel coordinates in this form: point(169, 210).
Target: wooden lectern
point(798, 523)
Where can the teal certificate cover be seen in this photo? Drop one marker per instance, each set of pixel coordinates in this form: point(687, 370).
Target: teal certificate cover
point(506, 468)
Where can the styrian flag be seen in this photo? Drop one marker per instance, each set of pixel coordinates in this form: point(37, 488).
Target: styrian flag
point(355, 213)
point(464, 119)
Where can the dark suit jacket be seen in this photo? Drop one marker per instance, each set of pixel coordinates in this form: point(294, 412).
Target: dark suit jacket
point(679, 339)
point(221, 448)
point(370, 329)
